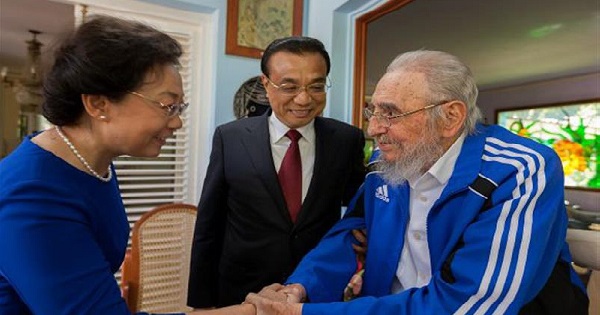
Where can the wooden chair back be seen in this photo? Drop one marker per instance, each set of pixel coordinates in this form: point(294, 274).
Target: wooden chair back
point(156, 270)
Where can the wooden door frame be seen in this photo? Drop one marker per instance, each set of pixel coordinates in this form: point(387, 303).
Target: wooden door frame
point(360, 54)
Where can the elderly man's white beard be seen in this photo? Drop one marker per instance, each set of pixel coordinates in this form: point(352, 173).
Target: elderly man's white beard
point(414, 162)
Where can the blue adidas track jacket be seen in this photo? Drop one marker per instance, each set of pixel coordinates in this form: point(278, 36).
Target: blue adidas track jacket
point(502, 257)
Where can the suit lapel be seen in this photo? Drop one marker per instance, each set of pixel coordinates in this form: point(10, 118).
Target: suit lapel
point(256, 140)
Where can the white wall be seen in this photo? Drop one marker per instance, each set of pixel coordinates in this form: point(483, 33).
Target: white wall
point(582, 87)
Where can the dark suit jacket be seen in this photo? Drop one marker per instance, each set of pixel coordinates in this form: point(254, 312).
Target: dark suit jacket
point(244, 237)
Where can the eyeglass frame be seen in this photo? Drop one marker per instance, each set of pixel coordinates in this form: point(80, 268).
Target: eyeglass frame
point(174, 109)
point(326, 85)
point(368, 113)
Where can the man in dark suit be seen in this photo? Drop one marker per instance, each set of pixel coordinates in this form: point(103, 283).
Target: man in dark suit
point(249, 233)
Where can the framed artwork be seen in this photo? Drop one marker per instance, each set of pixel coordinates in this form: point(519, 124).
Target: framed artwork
point(253, 24)
point(571, 129)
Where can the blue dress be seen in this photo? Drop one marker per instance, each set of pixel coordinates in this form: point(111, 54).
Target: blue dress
point(63, 234)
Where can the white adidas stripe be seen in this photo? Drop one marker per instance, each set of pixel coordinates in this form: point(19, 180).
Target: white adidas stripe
point(492, 259)
point(528, 224)
point(509, 157)
point(513, 226)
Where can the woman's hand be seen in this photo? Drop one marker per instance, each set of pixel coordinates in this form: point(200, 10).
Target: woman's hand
point(243, 309)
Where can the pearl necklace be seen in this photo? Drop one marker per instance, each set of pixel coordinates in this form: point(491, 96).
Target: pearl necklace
point(83, 161)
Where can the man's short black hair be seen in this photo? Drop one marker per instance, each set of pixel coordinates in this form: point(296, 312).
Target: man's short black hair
point(296, 45)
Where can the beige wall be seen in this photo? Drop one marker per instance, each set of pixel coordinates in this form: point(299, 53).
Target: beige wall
point(569, 89)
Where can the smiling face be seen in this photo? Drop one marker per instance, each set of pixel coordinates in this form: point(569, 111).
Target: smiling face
point(398, 93)
point(411, 144)
point(298, 110)
point(139, 127)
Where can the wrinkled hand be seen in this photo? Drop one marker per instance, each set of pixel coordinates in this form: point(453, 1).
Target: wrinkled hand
point(277, 299)
point(294, 292)
point(354, 286)
point(274, 293)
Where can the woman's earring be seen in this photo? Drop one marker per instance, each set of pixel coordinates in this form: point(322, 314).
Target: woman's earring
point(102, 117)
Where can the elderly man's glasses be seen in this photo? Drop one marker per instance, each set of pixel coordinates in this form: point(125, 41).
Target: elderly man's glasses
point(292, 89)
point(172, 110)
point(386, 119)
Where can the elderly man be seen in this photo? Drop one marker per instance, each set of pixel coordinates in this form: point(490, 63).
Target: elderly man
point(460, 217)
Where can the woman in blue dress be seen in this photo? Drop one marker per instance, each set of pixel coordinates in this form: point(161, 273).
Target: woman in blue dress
point(114, 89)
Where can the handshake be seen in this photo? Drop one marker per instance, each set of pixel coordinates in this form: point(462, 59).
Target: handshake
point(276, 299)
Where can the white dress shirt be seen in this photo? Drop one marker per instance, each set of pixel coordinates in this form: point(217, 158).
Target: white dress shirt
point(280, 144)
point(414, 267)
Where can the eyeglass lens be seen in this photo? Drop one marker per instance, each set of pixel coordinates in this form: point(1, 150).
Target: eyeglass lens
point(292, 89)
point(382, 119)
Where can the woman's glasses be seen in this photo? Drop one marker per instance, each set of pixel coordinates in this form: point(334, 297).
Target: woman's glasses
point(172, 110)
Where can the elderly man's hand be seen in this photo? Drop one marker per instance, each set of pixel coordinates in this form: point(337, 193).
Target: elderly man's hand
point(273, 292)
point(276, 299)
point(294, 292)
point(265, 306)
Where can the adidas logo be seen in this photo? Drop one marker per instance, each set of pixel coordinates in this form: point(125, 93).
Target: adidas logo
point(382, 193)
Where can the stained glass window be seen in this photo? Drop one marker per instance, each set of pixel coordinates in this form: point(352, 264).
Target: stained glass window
point(572, 130)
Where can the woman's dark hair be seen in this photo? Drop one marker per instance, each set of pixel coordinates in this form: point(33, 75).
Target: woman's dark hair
point(103, 56)
point(296, 45)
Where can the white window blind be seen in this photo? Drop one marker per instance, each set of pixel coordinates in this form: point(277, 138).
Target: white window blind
point(148, 182)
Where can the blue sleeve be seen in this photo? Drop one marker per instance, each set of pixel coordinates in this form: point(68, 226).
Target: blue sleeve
point(325, 271)
point(508, 251)
point(50, 258)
